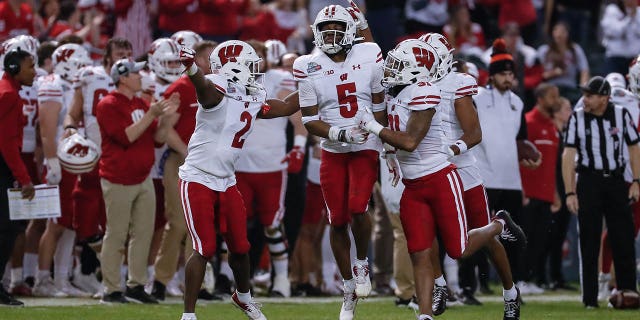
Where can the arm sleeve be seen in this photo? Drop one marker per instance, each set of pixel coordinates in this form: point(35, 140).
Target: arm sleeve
point(571, 132)
point(630, 132)
point(50, 91)
point(424, 97)
point(307, 93)
point(522, 133)
point(113, 122)
point(10, 142)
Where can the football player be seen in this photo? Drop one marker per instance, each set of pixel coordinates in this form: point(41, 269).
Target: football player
point(461, 129)
point(432, 200)
point(229, 100)
point(54, 98)
point(336, 82)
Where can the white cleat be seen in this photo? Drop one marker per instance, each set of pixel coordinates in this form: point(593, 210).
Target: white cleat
point(71, 291)
point(251, 309)
point(363, 282)
point(349, 302)
point(173, 288)
point(603, 286)
point(281, 286)
point(46, 288)
point(86, 282)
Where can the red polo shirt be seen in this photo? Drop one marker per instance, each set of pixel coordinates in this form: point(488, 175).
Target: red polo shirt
point(12, 121)
point(188, 107)
point(540, 183)
point(124, 162)
point(12, 24)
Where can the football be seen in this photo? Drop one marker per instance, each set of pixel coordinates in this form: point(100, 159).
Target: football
point(527, 150)
point(625, 299)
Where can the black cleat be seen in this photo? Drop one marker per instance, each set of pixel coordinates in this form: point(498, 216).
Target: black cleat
point(223, 285)
point(138, 294)
point(407, 303)
point(511, 231)
point(205, 295)
point(114, 297)
point(467, 298)
point(159, 290)
point(440, 295)
point(512, 308)
point(7, 299)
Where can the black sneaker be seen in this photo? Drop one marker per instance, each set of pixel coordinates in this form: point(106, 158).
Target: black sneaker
point(159, 290)
point(205, 295)
point(137, 294)
point(511, 231)
point(407, 303)
point(467, 298)
point(114, 297)
point(307, 290)
point(7, 299)
point(512, 308)
point(223, 285)
point(440, 295)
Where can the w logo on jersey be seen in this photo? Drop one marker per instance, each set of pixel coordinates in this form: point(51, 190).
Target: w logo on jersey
point(424, 58)
point(78, 150)
point(64, 55)
point(229, 53)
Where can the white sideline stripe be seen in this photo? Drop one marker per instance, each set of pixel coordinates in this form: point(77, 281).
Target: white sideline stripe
point(69, 302)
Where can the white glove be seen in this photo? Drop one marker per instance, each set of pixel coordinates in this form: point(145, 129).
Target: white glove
point(54, 173)
point(368, 122)
point(353, 135)
point(187, 58)
point(357, 15)
point(446, 149)
point(389, 156)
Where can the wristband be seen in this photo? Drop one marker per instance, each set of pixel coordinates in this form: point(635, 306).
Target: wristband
point(569, 194)
point(300, 141)
point(193, 69)
point(636, 180)
point(374, 127)
point(462, 146)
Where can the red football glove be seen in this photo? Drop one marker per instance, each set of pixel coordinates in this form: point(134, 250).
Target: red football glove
point(187, 58)
point(295, 158)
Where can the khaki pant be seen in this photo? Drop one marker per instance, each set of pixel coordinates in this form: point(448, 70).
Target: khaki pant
point(175, 231)
point(402, 268)
point(131, 212)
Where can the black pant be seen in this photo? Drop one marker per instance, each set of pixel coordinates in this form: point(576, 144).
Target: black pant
point(9, 230)
point(510, 200)
point(559, 228)
point(536, 224)
point(598, 196)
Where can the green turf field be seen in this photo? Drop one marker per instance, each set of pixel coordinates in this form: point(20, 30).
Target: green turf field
point(547, 308)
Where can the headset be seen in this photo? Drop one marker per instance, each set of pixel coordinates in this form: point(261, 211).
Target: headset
point(12, 61)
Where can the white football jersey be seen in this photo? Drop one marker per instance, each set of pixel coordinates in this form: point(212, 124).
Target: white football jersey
point(220, 134)
point(266, 146)
point(94, 83)
point(428, 157)
point(631, 102)
point(341, 89)
point(53, 88)
point(455, 86)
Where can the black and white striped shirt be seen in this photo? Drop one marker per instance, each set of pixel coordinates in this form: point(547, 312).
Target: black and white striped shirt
point(599, 139)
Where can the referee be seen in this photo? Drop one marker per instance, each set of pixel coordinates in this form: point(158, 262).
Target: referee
point(595, 134)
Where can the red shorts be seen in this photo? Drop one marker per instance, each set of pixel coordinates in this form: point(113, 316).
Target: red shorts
point(66, 186)
point(88, 206)
point(314, 207)
point(347, 183)
point(161, 220)
point(32, 168)
point(263, 194)
point(434, 203)
point(207, 211)
point(477, 208)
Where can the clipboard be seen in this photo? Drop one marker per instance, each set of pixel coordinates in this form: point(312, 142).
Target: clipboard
point(45, 204)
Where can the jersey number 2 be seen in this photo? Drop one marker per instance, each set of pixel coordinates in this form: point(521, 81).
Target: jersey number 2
point(238, 140)
point(348, 102)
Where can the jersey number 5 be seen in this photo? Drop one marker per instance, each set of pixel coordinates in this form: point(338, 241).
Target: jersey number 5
point(348, 102)
point(238, 139)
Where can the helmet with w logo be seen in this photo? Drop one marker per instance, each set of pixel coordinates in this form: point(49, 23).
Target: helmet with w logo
point(186, 38)
point(238, 62)
point(77, 154)
point(634, 76)
point(68, 59)
point(164, 59)
point(24, 42)
point(341, 39)
point(409, 62)
point(444, 50)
